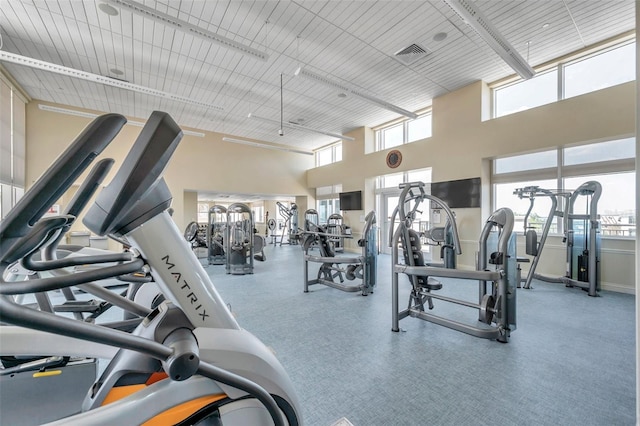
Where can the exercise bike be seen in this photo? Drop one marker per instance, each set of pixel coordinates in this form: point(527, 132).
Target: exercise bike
point(164, 371)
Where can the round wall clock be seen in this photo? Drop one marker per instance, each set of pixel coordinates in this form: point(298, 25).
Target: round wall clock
point(394, 158)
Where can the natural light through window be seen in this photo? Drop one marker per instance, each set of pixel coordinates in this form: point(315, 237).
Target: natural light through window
point(571, 77)
point(611, 163)
point(405, 132)
point(605, 70)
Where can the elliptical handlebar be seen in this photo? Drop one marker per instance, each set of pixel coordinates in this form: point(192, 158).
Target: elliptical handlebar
point(56, 180)
point(138, 178)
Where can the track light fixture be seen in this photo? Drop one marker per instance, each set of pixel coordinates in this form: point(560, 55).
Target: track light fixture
point(302, 128)
point(472, 16)
point(262, 145)
point(91, 115)
point(95, 78)
point(163, 18)
point(303, 72)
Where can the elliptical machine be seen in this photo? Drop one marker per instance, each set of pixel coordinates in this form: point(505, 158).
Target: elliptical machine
point(163, 372)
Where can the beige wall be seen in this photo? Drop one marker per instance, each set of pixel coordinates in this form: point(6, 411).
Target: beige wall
point(199, 164)
point(462, 143)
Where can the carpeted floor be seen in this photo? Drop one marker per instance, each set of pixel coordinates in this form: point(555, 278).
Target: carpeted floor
point(571, 360)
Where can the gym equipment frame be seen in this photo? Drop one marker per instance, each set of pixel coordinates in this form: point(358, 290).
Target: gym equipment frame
point(335, 226)
point(497, 306)
point(363, 267)
point(239, 239)
point(215, 235)
point(290, 227)
point(581, 235)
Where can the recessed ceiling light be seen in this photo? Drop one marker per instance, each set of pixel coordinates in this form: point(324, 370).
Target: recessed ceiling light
point(116, 71)
point(440, 36)
point(108, 9)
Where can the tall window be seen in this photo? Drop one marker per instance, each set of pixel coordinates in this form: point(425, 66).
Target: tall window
point(258, 213)
point(203, 212)
point(527, 94)
point(611, 163)
point(606, 69)
point(329, 154)
point(12, 147)
point(327, 202)
point(572, 77)
point(404, 132)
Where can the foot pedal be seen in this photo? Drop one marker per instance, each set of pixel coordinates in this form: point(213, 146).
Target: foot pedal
point(89, 306)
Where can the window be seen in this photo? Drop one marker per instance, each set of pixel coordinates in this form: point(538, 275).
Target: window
point(391, 181)
point(326, 208)
point(393, 136)
point(607, 69)
point(203, 213)
point(572, 77)
point(420, 128)
point(504, 197)
point(258, 214)
point(538, 160)
point(329, 154)
point(12, 147)
point(611, 163)
point(327, 201)
point(539, 90)
point(616, 206)
point(606, 151)
point(404, 132)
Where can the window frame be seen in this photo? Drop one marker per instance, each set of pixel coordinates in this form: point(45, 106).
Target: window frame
point(562, 172)
point(379, 131)
point(559, 65)
point(336, 153)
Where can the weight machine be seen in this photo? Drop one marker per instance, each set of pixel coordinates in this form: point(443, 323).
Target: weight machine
point(332, 273)
point(581, 235)
point(496, 264)
point(196, 235)
point(336, 226)
point(311, 217)
point(290, 216)
point(442, 237)
point(239, 240)
point(215, 235)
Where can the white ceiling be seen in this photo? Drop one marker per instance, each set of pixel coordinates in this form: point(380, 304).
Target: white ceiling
point(350, 42)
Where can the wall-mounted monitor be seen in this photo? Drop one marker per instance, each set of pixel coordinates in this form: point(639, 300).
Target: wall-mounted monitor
point(351, 200)
point(463, 193)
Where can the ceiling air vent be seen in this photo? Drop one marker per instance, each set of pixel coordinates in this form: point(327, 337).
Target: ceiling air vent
point(411, 54)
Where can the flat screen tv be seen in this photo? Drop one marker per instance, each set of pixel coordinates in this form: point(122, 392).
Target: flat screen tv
point(351, 200)
point(463, 193)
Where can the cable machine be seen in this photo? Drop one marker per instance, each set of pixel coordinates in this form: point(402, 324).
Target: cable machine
point(335, 225)
point(581, 235)
point(215, 235)
point(290, 216)
point(239, 240)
